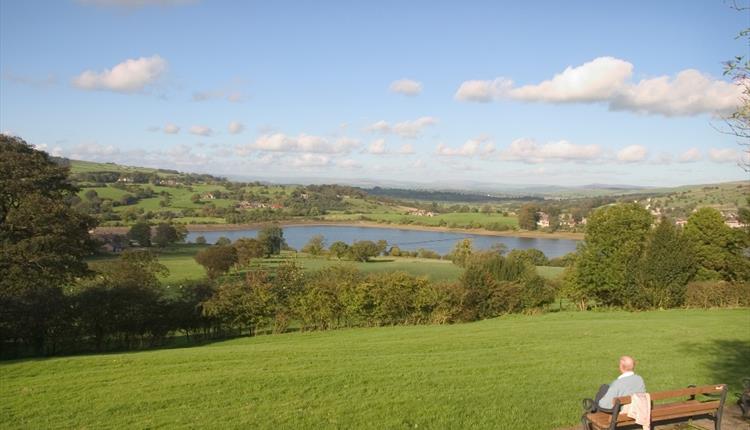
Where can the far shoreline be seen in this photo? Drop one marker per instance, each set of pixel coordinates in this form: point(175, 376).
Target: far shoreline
point(194, 228)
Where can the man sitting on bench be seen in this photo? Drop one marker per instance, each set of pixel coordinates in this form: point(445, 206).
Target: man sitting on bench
point(626, 384)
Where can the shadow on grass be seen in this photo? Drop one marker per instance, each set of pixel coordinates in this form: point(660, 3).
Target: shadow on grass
point(176, 342)
point(727, 360)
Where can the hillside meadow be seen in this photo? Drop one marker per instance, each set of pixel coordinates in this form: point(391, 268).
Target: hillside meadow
point(514, 372)
point(180, 260)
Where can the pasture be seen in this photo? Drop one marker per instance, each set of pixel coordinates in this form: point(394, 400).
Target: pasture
point(514, 372)
point(180, 260)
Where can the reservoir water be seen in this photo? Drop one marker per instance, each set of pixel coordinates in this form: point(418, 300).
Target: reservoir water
point(438, 241)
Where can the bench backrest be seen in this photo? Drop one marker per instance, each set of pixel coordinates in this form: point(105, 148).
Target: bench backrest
point(691, 391)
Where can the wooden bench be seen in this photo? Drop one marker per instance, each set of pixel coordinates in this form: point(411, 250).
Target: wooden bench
point(686, 406)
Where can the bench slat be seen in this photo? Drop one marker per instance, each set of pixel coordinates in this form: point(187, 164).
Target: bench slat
point(661, 412)
point(692, 391)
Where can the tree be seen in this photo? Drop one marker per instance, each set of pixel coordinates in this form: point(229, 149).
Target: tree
point(315, 246)
point(223, 241)
point(363, 250)
point(339, 249)
point(272, 237)
point(200, 240)
point(141, 233)
point(719, 249)
point(528, 216)
point(165, 234)
point(462, 252)
point(43, 241)
point(248, 250)
point(195, 198)
point(532, 256)
point(217, 259)
point(666, 267)
point(244, 304)
point(611, 250)
point(738, 123)
point(382, 246)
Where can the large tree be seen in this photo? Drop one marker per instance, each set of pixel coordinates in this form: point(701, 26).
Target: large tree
point(666, 267)
point(608, 258)
point(43, 240)
point(719, 249)
point(272, 237)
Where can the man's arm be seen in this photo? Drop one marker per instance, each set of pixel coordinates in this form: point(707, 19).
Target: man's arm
point(607, 402)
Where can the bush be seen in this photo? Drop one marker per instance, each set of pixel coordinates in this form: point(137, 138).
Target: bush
point(709, 294)
point(217, 259)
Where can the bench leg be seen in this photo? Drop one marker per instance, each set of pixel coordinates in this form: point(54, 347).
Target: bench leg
point(585, 421)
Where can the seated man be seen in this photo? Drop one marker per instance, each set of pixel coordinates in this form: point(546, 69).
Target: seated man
point(626, 384)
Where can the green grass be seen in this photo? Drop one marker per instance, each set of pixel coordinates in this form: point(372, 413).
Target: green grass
point(456, 218)
point(79, 166)
point(180, 261)
point(435, 270)
point(515, 372)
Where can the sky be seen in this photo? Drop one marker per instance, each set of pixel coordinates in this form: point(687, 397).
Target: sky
point(505, 93)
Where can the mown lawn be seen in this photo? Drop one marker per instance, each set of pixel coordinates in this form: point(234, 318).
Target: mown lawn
point(515, 372)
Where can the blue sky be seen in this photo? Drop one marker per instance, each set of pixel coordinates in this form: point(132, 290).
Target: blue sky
point(563, 93)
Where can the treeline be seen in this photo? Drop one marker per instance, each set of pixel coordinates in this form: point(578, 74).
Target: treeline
point(443, 196)
point(124, 306)
point(626, 261)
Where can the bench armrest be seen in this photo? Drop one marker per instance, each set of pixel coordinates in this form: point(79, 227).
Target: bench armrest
point(588, 405)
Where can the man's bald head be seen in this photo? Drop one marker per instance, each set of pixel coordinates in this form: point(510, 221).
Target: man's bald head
point(627, 364)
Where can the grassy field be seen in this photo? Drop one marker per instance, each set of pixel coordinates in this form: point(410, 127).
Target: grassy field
point(515, 372)
point(457, 219)
point(179, 259)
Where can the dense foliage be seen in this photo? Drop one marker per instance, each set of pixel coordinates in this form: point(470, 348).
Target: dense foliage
point(624, 261)
point(43, 241)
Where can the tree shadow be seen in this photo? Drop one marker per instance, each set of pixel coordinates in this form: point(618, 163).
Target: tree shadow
point(727, 360)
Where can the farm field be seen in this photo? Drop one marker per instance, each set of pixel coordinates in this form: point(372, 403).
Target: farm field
point(179, 259)
point(457, 219)
point(514, 372)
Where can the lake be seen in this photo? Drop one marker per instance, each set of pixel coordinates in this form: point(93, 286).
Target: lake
point(438, 241)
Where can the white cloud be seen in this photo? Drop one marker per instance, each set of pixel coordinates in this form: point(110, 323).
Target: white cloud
point(280, 142)
point(419, 164)
point(94, 150)
point(723, 155)
point(406, 129)
point(232, 96)
point(406, 149)
point(130, 76)
point(608, 80)
point(483, 91)
point(377, 147)
point(348, 164)
point(135, 3)
point(172, 129)
point(479, 146)
point(690, 156)
point(56, 151)
point(236, 127)
point(632, 154)
point(529, 151)
point(380, 127)
point(406, 87)
point(311, 160)
point(689, 93)
point(596, 80)
point(201, 130)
